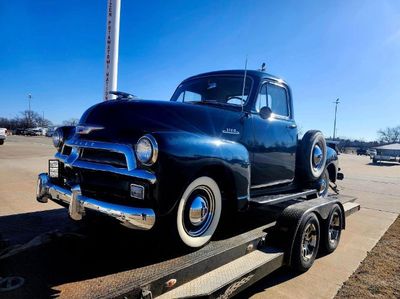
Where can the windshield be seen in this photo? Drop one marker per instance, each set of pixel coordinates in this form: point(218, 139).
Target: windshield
point(214, 89)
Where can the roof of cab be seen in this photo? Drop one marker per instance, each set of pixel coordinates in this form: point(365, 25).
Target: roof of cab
point(251, 73)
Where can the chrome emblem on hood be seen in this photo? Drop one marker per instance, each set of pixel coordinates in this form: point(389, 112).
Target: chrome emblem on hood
point(87, 129)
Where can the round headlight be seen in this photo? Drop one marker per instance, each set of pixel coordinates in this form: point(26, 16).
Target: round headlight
point(58, 138)
point(147, 150)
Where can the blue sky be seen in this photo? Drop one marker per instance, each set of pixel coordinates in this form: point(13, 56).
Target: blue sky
point(324, 49)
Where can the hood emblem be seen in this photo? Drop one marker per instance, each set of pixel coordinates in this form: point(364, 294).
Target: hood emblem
point(230, 131)
point(87, 129)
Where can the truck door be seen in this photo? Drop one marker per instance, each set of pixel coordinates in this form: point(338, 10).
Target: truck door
point(275, 138)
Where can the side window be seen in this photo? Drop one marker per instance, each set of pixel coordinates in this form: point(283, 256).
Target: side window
point(188, 96)
point(277, 98)
point(262, 99)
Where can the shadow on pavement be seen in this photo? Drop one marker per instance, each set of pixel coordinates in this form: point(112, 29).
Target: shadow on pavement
point(384, 164)
point(78, 252)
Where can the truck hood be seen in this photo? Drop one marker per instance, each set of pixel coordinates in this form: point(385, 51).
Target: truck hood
point(127, 120)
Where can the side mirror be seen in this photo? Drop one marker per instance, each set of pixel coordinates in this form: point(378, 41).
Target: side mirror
point(265, 112)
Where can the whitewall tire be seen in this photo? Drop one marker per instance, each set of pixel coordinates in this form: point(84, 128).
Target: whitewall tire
point(199, 212)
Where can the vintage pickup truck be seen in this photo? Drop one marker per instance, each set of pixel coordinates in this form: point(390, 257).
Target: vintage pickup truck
point(224, 139)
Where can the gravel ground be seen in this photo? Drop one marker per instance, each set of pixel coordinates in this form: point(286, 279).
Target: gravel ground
point(379, 274)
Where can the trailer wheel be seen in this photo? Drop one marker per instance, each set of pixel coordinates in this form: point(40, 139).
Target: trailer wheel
point(332, 230)
point(305, 247)
point(199, 212)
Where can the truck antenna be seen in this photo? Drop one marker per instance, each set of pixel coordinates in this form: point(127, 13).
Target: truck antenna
point(244, 82)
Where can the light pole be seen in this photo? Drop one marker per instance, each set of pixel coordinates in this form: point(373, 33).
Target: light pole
point(112, 44)
point(334, 123)
point(29, 109)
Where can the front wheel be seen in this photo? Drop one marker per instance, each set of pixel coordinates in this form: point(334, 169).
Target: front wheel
point(199, 212)
point(1, 142)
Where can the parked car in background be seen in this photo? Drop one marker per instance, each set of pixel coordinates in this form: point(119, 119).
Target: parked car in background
point(50, 132)
point(362, 152)
point(371, 152)
point(3, 135)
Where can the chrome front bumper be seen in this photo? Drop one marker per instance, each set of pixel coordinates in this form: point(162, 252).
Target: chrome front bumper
point(136, 218)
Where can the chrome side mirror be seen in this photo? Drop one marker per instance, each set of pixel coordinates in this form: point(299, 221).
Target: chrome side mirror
point(265, 112)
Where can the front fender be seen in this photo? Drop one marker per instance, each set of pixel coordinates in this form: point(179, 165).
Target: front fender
point(183, 156)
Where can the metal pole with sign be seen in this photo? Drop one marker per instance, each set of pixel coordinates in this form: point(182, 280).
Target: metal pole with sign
point(112, 43)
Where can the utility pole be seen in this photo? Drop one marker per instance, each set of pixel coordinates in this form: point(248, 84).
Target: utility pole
point(112, 44)
point(334, 123)
point(29, 110)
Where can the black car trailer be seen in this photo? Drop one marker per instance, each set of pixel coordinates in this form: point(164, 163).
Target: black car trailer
point(223, 268)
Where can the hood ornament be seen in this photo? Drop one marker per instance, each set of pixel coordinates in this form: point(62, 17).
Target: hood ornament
point(87, 129)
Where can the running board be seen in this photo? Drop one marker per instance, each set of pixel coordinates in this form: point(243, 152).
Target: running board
point(277, 198)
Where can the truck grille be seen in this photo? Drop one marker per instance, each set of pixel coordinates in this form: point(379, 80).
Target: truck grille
point(102, 156)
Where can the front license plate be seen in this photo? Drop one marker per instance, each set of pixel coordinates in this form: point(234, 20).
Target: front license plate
point(54, 168)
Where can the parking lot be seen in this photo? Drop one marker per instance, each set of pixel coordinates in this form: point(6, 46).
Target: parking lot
point(377, 188)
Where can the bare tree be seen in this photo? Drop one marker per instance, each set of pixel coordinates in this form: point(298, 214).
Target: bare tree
point(71, 122)
point(389, 135)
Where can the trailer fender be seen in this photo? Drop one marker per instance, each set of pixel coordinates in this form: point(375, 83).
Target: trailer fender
point(289, 221)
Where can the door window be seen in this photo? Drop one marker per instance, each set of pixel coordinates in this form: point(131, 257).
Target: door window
point(274, 97)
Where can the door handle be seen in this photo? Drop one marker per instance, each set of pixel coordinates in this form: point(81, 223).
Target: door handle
point(292, 126)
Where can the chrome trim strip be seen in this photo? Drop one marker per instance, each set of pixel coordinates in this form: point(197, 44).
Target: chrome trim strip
point(135, 218)
point(272, 184)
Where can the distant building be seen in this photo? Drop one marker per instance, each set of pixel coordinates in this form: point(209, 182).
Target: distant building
point(389, 150)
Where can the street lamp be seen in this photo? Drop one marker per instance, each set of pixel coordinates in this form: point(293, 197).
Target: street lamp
point(334, 123)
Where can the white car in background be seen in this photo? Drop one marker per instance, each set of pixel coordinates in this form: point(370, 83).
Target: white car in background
point(3, 135)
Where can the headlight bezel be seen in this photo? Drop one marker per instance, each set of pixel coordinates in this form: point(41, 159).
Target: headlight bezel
point(154, 150)
point(58, 138)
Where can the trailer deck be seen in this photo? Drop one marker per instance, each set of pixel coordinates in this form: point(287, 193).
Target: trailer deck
point(118, 263)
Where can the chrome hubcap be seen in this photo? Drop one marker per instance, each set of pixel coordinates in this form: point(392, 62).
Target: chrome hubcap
point(317, 157)
point(309, 241)
point(198, 211)
point(334, 228)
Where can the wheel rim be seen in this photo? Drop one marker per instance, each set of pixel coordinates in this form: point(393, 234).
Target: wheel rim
point(317, 157)
point(309, 242)
point(199, 211)
point(323, 185)
point(334, 228)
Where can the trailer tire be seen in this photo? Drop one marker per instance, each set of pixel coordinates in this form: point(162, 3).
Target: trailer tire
point(331, 230)
point(199, 212)
point(306, 243)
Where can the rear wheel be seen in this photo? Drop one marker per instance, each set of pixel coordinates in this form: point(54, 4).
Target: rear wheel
point(332, 230)
point(199, 212)
point(305, 247)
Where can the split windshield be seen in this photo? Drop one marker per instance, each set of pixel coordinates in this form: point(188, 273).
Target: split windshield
point(214, 90)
